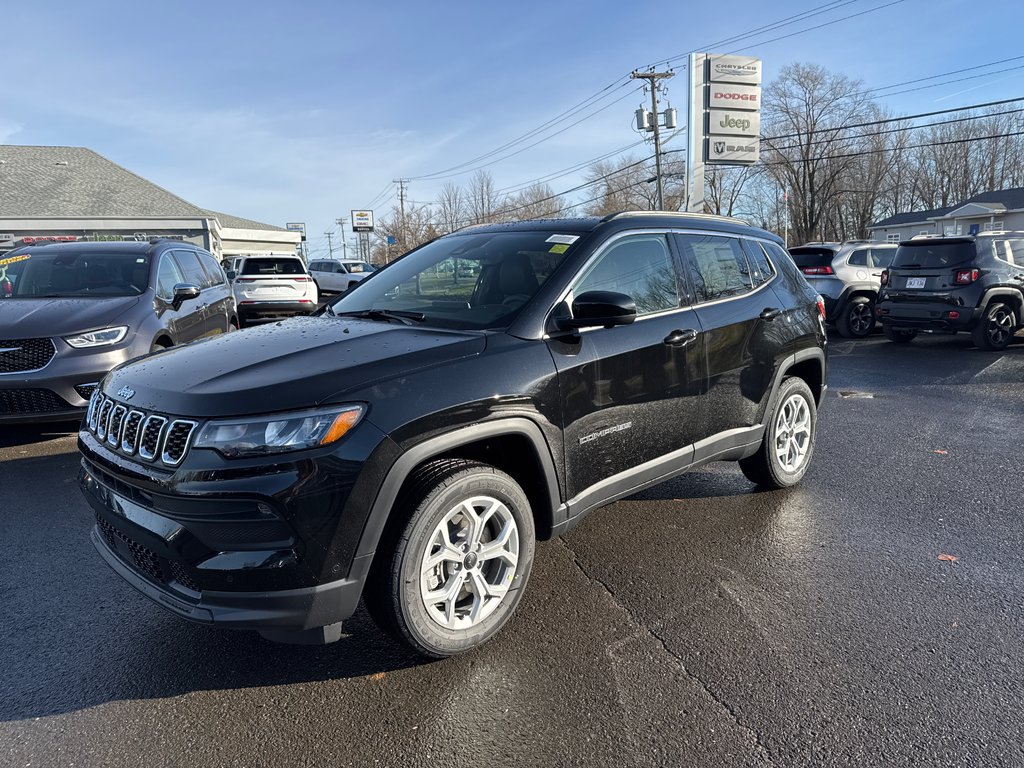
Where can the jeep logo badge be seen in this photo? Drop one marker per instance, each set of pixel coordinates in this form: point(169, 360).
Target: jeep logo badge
point(126, 393)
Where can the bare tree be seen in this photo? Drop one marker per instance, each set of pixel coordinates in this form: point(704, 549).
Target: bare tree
point(538, 201)
point(451, 208)
point(724, 187)
point(481, 198)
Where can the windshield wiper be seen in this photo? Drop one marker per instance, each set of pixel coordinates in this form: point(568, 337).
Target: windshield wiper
point(384, 314)
point(909, 266)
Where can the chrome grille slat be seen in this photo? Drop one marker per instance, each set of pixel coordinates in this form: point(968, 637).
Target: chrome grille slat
point(103, 417)
point(152, 437)
point(116, 424)
point(176, 441)
point(130, 437)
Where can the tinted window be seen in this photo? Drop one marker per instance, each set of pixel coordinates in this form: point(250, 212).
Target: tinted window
point(357, 267)
point(168, 276)
point(191, 269)
point(1010, 251)
point(641, 267)
point(59, 273)
point(932, 255)
point(272, 266)
point(806, 256)
point(859, 258)
point(761, 270)
point(213, 270)
point(717, 266)
point(882, 257)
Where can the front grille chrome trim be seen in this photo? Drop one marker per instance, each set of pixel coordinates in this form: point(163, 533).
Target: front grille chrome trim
point(144, 452)
point(103, 418)
point(166, 457)
point(125, 429)
point(129, 439)
point(116, 426)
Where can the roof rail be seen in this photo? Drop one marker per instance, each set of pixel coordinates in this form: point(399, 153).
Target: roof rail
point(711, 216)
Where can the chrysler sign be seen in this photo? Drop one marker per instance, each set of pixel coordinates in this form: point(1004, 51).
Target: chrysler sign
point(745, 70)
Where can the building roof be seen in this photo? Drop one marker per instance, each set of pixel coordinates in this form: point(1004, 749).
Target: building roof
point(69, 182)
point(75, 182)
point(237, 222)
point(1010, 199)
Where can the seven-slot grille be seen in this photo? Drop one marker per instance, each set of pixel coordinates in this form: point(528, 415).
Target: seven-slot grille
point(133, 432)
point(25, 355)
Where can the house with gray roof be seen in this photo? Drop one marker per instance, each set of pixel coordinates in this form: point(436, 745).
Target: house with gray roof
point(72, 193)
point(998, 211)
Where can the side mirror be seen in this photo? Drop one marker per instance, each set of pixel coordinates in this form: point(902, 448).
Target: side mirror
point(231, 274)
point(183, 292)
point(597, 309)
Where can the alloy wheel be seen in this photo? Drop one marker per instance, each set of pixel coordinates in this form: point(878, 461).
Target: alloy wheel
point(793, 432)
point(469, 562)
point(861, 319)
point(1000, 327)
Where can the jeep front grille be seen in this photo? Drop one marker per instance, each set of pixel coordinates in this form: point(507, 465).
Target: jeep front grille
point(150, 436)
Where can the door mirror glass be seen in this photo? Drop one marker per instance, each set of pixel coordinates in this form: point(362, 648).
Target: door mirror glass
point(230, 274)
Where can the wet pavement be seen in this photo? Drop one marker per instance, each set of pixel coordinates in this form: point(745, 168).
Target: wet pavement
point(699, 623)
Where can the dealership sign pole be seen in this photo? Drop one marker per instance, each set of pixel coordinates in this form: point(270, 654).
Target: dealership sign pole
point(362, 222)
point(724, 125)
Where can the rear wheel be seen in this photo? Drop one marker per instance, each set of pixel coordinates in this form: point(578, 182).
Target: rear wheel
point(899, 335)
point(452, 577)
point(788, 443)
point(857, 319)
point(995, 328)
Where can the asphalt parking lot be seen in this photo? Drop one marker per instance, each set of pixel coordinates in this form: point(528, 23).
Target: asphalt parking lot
point(700, 623)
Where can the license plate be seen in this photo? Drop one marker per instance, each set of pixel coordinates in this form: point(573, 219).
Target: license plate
point(915, 282)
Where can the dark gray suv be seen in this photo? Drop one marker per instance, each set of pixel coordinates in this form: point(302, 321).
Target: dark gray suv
point(952, 284)
point(69, 312)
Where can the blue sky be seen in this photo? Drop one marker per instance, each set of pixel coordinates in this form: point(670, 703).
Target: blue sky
point(305, 110)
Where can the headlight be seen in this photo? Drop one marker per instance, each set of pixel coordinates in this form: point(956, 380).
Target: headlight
point(258, 435)
point(101, 338)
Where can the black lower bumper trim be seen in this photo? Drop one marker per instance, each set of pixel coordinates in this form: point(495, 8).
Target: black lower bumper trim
point(278, 612)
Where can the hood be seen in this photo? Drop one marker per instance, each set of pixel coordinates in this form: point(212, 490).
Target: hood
point(297, 363)
point(32, 318)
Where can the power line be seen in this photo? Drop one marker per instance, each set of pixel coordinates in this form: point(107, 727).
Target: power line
point(950, 82)
point(945, 74)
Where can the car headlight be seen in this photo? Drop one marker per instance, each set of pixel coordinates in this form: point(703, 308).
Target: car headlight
point(101, 338)
point(278, 433)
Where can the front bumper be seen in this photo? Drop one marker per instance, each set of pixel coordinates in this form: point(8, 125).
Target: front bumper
point(60, 390)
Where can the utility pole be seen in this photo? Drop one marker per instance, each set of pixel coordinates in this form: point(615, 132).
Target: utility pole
point(330, 245)
point(344, 250)
point(652, 79)
point(401, 207)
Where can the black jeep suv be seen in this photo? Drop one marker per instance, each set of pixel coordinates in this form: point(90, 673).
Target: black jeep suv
point(953, 284)
point(411, 442)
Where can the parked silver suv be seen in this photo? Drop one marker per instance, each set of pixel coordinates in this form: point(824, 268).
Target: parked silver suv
point(848, 277)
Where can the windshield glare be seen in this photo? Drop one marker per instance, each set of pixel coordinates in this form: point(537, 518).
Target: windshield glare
point(77, 274)
point(473, 281)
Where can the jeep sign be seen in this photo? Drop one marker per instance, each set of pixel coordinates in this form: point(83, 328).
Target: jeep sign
point(722, 96)
point(745, 70)
point(734, 123)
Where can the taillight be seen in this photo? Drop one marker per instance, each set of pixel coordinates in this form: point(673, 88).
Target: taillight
point(821, 307)
point(885, 277)
point(817, 270)
point(303, 279)
point(966, 276)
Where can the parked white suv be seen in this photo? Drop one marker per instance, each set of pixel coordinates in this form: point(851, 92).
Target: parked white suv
point(336, 276)
point(271, 287)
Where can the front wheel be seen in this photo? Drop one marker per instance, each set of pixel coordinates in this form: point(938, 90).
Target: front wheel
point(857, 319)
point(452, 577)
point(995, 328)
point(788, 443)
point(899, 335)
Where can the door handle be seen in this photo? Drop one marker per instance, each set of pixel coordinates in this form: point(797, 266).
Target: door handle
point(876, 274)
point(679, 338)
point(770, 313)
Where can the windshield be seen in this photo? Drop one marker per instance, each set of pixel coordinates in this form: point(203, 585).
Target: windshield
point(60, 274)
point(473, 281)
point(932, 255)
point(359, 266)
point(273, 267)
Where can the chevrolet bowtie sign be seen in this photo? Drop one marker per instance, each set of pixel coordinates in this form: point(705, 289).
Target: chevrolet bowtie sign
point(732, 109)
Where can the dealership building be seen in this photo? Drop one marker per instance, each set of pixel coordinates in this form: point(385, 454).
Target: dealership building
point(68, 194)
point(999, 211)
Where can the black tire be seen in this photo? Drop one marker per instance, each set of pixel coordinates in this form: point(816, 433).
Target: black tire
point(995, 327)
point(393, 592)
point(899, 335)
point(160, 345)
point(765, 468)
point(857, 319)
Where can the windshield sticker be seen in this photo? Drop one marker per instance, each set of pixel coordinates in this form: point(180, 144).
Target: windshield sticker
point(559, 248)
point(14, 259)
point(566, 239)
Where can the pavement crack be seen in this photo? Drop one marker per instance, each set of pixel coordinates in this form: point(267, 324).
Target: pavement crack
point(759, 744)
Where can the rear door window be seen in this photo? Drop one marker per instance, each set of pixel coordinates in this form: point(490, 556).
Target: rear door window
point(213, 270)
point(717, 266)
